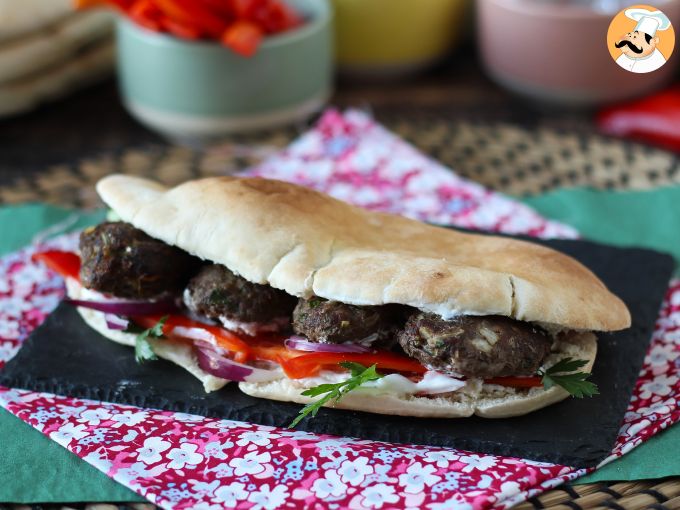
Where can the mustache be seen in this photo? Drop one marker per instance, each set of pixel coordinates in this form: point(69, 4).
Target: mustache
point(626, 42)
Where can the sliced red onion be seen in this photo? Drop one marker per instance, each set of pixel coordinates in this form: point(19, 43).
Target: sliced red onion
point(115, 322)
point(127, 307)
point(215, 364)
point(298, 343)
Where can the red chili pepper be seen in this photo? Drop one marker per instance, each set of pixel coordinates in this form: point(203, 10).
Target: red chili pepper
point(309, 364)
point(243, 37)
point(654, 119)
point(191, 13)
point(66, 263)
point(516, 382)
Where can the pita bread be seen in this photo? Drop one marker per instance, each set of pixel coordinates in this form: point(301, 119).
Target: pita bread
point(307, 243)
point(177, 352)
point(85, 68)
point(19, 17)
point(41, 50)
point(488, 401)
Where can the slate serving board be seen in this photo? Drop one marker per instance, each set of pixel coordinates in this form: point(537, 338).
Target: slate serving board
point(66, 357)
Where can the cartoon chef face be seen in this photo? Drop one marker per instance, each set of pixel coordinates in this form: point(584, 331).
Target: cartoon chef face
point(637, 44)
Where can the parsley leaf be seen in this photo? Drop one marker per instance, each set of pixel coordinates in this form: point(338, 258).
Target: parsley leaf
point(143, 349)
point(335, 391)
point(564, 374)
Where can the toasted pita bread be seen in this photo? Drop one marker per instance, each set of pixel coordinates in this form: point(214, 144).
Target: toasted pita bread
point(307, 243)
point(176, 352)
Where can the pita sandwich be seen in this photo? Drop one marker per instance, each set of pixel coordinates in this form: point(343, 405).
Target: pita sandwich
point(284, 289)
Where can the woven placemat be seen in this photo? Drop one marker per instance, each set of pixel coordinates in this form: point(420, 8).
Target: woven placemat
point(508, 158)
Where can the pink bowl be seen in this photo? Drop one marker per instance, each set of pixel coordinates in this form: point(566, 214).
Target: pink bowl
point(557, 52)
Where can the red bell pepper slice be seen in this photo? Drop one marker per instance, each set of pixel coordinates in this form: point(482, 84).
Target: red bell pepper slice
point(243, 37)
point(123, 5)
point(248, 9)
point(653, 119)
point(309, 364)
point(180, 29)
point(65, 263)
point(147, 14)
point(516, 382)
point(224, 338)
point(191, 13)
point(223, 8)
point(276, 17)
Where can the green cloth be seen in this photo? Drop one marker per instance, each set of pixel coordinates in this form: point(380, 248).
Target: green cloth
point(632, 218)
point(19, 224)
point(650, 219)
point(29, 459)
point(33, 468)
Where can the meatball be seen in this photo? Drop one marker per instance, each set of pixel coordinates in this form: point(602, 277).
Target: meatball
point(325, 321)
point(216, 293)
point(118, 259)
point(487, 346)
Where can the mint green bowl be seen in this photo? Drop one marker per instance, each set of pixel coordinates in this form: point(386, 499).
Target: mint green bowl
point(200, 91)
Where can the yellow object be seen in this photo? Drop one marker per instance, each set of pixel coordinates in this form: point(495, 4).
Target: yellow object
point(374, 34)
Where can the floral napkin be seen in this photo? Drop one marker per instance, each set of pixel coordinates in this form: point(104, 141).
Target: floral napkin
point(184, 461)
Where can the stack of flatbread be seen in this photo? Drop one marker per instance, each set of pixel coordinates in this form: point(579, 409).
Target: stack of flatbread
point(47, 50)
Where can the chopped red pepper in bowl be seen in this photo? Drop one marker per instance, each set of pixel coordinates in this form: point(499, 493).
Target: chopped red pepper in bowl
point(240, 25)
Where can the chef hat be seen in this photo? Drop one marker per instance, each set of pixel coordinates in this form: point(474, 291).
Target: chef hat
point(649, 21)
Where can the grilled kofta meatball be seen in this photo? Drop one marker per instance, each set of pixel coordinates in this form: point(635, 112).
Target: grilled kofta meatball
point(118, 259)
point(216, 292)
point(487, 346)
point(325, 321)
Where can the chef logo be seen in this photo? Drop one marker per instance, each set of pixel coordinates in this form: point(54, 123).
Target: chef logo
point(641, 39)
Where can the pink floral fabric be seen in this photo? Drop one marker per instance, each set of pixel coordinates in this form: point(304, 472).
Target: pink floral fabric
point(353, 158)
point(183, 461)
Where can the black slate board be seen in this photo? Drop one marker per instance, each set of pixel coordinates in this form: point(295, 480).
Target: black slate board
point(64, 356)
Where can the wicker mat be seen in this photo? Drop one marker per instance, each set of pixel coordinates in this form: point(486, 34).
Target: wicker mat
point(657, 495)
point(509, 158)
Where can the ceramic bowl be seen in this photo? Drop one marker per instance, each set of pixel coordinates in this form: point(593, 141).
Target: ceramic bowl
point(200, 91)
point(376, 38)
point(556, 52)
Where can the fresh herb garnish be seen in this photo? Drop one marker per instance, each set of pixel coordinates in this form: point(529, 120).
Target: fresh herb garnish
point(334, 392)
point(564, 374)
point(143, 349)
point(315, 301)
